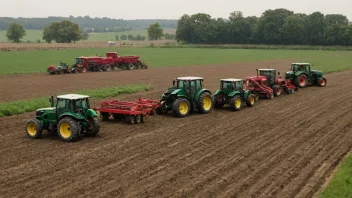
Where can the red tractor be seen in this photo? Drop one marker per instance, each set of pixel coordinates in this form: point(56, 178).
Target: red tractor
point(266, 83)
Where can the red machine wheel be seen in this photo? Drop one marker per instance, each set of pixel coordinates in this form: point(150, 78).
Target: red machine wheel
point(277, 91)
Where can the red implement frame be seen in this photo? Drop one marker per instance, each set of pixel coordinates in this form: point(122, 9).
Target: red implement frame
point(129, 110)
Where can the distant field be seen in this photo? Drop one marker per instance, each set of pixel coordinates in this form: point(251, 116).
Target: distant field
point(34, 35)
point(38, 61)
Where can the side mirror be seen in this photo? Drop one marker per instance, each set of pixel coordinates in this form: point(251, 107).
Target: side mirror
point(278, 73)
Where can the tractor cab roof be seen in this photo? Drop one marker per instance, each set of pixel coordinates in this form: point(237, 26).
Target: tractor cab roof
point(72, 96)
point(300, 64)
point(231, 80)
point(266, 69)
point(189, 78)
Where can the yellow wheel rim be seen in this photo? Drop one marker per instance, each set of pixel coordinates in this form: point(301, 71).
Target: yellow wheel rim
point(183, 108)
point(207, 103)
point(238, 103)
point(31, 129)
point(65, 130)
point(252, 100)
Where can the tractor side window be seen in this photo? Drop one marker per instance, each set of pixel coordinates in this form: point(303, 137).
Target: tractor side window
point(239, 86)
point(198, 84)
point(193, 84)
point(81, 104)
point(61, 104)
point(180, 84)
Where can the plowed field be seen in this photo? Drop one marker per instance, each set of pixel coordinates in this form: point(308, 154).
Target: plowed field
point(285, 147)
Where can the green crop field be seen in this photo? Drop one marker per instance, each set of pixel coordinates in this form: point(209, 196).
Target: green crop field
point(34, 35)
point(38, 61)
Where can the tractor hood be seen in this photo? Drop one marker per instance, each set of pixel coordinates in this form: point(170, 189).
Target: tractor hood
point(319, 73)
point(41, 111)
point(168, 92)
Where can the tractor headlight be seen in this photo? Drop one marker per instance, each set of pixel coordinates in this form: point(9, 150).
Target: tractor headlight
point(39, 113)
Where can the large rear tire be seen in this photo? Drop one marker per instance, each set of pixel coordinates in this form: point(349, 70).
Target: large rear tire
point(301, 81)
point(93, 126)
point(181, 107)
point(130, 66)
point(205, 103)
point(236, 103)
point(34, 129)
point(68, 129)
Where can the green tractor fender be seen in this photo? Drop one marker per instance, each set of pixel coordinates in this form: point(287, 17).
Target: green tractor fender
point(233, 93)
point(217, 92)
point(199, 92)
point(301, 72)
point(76, 116)
point(90, 113)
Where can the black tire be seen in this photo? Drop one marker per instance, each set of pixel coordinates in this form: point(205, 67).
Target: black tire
point(256, 97)
point(250, 100)
point(218, 104)
point(131, 119)
point(34, 129)
point(236, 103)
point(277, 91)
point(130, 66)
point(301, 81)
point(68, 129)
point(93, 126)
point(143, 118)
point(181, 107)
point(321, 82)
point(106, 68)
point(270, 96)
point(105, 116)
point(137, 119)
point(205, 103)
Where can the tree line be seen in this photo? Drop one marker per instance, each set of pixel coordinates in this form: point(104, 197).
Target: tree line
point(279, 27)
point(88, 24)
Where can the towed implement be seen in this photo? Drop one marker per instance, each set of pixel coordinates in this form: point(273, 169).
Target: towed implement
point(70, 118)
point(302, 75)
point(266, 83)
point(231, 92)
point(131, 112)
point(186, 95)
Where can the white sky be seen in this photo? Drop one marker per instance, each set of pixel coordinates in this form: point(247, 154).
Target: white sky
point(165, 9)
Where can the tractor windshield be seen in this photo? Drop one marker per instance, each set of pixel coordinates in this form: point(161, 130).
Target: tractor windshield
point(78, 60)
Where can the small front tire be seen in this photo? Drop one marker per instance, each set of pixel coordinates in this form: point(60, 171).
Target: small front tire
point(34, 128)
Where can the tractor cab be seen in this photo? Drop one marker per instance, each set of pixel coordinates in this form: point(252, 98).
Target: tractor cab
point(231, 84)
point(79, 60)
point(300, 67)
point(71, 104)
point(111, 54)
point(270, 74)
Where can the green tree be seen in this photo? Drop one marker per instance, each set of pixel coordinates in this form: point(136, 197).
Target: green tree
point(123, 37)
point(293, 30)
point(117, 37)
point(155, 31)
point(131, 37)
point(315, 28)
point(62, 32)
point(85, 36)
point(270, 24)
point(15, 32)
point(336, 19)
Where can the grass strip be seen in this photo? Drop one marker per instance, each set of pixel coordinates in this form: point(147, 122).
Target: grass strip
point(30, 105)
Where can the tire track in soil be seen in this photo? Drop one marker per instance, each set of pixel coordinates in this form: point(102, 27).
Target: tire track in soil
point(202, 155)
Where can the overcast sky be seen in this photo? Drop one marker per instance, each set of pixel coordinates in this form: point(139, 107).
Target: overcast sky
point(165, 9)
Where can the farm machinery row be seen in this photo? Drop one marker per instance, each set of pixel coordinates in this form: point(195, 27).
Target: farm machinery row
point(97, 63)
point(73, 116)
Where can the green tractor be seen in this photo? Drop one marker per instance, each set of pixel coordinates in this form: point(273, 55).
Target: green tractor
point(70, 118)
point(231, 92)
point(186, 95)
point(301, 75)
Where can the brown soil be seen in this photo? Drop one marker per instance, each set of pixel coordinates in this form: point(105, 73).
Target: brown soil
point(285, 147)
